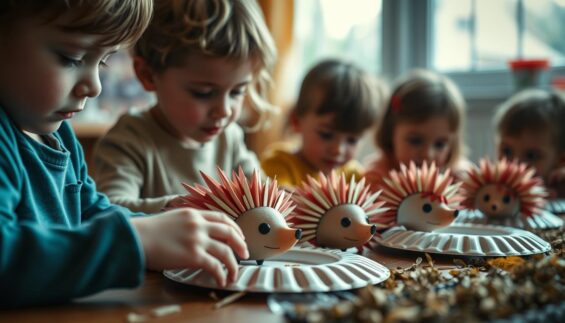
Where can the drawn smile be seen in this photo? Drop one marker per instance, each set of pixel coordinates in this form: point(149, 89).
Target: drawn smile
point(346, 238)
point(433, 223)
point(271, 247)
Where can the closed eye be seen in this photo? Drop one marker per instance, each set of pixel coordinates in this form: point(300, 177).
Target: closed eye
point(238, 92)
point(68, 61)
point(202, 94)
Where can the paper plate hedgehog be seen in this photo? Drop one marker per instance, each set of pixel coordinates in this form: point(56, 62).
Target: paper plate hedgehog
point(419, 198)
point(335, 214)
point(259, 208)
point(503, 189)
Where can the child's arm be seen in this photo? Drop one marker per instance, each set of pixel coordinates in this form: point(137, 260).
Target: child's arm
point(126, 165)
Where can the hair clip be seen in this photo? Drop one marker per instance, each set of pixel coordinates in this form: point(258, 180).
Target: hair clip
point(395, 103)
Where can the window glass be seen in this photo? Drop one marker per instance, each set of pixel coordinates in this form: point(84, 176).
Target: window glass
point(483, 35)
point(544, 35)
point(336, 28)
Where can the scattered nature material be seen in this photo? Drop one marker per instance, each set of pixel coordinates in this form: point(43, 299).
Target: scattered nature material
point(475, 290)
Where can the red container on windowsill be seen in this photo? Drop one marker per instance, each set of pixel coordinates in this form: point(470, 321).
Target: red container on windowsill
point(529, 73)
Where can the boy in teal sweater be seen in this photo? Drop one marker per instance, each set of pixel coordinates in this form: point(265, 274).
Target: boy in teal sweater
point(59, 238)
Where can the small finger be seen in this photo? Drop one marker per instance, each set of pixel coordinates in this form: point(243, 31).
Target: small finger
point(212, 265)
point(227, 234)
point(223, 218)
point(225, 256)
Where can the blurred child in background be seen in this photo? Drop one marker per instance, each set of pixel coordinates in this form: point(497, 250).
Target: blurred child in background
point(59, 238)
point(338, 103)
point(531, 128)
point(423, 121)
point(204, 60)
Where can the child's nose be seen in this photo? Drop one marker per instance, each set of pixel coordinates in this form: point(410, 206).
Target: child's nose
point(222, 108)
point(338, 147)
point(89, 85)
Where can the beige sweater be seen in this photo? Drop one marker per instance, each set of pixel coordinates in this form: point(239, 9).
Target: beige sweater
point(140, 166)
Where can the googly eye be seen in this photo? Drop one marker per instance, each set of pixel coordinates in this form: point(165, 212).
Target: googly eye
point(264, 228)
point(345, 222)
point(506, 199)
point(427, 208)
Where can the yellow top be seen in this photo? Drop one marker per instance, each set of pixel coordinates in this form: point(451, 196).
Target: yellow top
point(290, 170)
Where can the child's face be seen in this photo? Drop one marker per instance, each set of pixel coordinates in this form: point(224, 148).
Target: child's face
point(47, 72)
point(203, 96)
point(533, 148)
point(323, 147)
point(429, 141)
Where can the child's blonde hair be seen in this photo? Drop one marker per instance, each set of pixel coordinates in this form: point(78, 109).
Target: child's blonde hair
point(233, 29)
point(533, 110)
point(342, 88)
point(121, 22)
point(417, 97)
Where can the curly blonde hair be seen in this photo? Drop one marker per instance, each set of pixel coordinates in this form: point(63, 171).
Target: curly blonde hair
point(233, 29)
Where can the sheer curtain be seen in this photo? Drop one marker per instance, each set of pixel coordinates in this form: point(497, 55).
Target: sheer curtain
point(279, 16)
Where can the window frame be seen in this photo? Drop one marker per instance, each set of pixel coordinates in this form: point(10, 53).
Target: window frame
point(407, 44)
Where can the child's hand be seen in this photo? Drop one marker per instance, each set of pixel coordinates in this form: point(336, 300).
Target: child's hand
point(191, 238)
point(176, 202)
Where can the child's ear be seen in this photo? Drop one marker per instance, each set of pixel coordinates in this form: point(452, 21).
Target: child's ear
point(144, 73)
point(294, 122)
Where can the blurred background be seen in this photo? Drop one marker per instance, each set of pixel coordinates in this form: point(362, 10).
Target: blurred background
point(472, 41)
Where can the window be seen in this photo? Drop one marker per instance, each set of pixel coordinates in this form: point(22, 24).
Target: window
point(472, 40)
point(475, 35)
point(120, 91)
point(336, 28)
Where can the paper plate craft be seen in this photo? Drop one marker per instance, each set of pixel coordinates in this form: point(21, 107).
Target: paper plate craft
point(259, 208)
point(300, 270)
point(334, 213)
point(419, 198)
point(506, 193)
point(423, 204)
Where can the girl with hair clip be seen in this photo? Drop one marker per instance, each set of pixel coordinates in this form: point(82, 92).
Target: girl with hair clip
point(338, 103)
point(204, 59)
point(423, 122)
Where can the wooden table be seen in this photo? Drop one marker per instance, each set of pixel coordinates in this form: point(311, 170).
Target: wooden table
point(196, 304)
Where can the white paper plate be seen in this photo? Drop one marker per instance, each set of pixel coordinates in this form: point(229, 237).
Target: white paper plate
point(466, 240)
point(543, 221)
point(556, 206)
point(299, 270)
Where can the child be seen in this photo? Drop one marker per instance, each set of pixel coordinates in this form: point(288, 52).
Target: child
point(203, 59)
point(337, 104)
point(423, 122)
point(530, 128)
point(59, 238)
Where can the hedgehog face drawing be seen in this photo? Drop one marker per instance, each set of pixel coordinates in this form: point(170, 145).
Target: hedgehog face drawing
point(420, 198)
point(503, 189)
point(258, 208)
point(336, 214)
point(422, 212)
point(269, 232)
point(497, 201)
